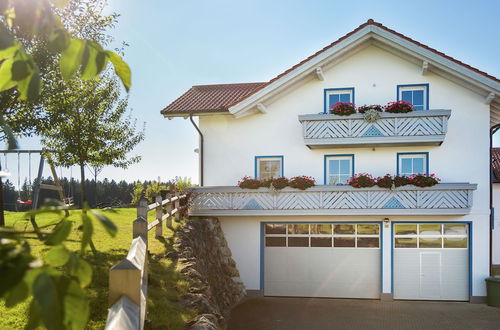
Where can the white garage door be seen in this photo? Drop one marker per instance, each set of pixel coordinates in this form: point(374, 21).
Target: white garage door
point(431, 261)
point(339, 260)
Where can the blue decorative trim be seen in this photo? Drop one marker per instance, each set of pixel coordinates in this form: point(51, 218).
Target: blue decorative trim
point(256, 159)
point(325, 158)
point(413, 153)
point(252, 205)
point(470, 248)
point(415, 85)
point(262, 246)
point(325, 98)
point(373, 131)
point(393, 203)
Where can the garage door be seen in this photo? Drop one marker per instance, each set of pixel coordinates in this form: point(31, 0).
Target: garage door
point(340, 260)
point(431, 261)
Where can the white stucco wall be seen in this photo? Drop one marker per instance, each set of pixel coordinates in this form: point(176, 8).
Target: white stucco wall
point(231, 145)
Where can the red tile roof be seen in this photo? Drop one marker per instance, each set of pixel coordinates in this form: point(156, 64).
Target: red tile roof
point(210, 98)
point(495, 164)
point(229, 95)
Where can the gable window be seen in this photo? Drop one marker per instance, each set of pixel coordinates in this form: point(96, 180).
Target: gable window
point(413, 163)
point(336, 95)
point(418, 95)
point(338, 168)
point(267, 167)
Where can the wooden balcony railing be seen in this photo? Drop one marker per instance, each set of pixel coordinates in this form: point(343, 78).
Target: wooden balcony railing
point(426, 127)
point(441, 199)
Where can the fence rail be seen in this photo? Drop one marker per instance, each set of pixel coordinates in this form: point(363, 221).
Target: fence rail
point(128, 279)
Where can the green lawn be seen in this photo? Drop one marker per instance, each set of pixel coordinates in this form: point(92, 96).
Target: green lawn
point(164, 282)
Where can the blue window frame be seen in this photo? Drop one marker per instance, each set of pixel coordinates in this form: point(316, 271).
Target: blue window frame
point(267, 167)
point(409, 163)
point(417, 94)
point(338, 169)
point(335, 95)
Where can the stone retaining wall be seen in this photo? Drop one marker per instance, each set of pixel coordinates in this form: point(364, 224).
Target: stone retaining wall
point(205, 261)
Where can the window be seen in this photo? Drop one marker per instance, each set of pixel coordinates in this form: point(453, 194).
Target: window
point(335, 95)
point(338, 168)
point(430, 236)
point(413, 163)
point(324, 235)
point(267, 167)
point(418, 95)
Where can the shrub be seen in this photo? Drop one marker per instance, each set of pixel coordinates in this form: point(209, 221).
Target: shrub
point(421, 180)
point(365, 108)
point(343, 109)
point(249, 183)
point(362, 180)
point(280, 183)
point(401, 180)
point(399, 107)
point(302, 182)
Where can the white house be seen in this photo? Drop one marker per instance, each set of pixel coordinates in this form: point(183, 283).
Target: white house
point(334, 240)
point(495, 176)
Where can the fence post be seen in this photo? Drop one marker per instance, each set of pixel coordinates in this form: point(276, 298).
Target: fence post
point(159, 214)
point(169, 209)
point(140, 225)
point(177, 206)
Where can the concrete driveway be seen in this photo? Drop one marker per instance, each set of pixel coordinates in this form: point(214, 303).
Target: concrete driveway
point(309, 313)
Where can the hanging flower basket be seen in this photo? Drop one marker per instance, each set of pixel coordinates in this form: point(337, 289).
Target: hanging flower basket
point(365, 108)
point(362, 180)
point(302, 182)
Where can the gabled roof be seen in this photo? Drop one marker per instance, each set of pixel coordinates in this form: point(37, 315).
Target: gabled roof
point(210, 98)
point(495, 164)
point(370, 29)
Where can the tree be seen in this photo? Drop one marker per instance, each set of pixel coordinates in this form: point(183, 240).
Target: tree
point(87, 124)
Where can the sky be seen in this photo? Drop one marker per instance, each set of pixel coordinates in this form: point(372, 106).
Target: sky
point(176, 44)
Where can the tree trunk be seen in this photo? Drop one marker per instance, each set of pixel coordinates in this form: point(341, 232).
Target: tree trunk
point(82, 187)
point(2, 218)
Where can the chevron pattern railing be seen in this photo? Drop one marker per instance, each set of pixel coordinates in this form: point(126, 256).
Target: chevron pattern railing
point(441, 199)
point(426, 127)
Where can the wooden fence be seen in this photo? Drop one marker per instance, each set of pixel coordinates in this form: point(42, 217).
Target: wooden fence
point(128, 279)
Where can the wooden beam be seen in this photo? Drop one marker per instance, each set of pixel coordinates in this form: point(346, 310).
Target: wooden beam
point(262, 108)
point(490, 97)
point(319, 73)
point(425, 67)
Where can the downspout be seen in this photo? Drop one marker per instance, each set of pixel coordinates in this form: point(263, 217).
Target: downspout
point(201, 147)
point(493, 130)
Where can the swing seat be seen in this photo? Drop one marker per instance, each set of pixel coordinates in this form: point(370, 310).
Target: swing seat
point(28, 202)
point(68, 201)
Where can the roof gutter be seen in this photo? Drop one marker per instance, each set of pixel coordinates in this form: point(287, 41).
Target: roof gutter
point(201, 147)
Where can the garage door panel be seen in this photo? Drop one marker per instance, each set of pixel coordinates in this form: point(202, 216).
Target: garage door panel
point(340, 272)
point(422, 273)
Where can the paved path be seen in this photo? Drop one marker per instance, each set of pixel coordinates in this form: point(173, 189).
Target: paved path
point(317, 314)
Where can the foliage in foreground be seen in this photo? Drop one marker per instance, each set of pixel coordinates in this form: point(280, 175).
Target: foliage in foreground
point(58, 279)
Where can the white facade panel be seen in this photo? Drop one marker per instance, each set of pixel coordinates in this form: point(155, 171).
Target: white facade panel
point(496, 230)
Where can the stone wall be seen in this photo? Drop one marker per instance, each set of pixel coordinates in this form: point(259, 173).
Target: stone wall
point(205, 261)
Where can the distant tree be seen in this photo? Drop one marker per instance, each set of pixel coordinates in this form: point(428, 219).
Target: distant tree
point(89, 124)
point(137, 193)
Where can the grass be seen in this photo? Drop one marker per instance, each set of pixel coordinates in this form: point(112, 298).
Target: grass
point(164, 284)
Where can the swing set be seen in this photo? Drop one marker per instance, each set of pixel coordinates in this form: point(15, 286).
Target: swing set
point(34, 187)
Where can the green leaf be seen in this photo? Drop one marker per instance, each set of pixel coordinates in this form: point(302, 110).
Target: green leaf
point(76, 307)
point(101, 61)
point(8, 52)
point(6, 81)
point(57, 256)
point(89, 62)
point(106, 222)
point(60, 233)
point(58, 41)
point(121, 68)
point(18, 294)
point(20, 70)
point(88, 229)
point(46, 294)
point(34, 314)
point(71, 58)
point(81, 269)
point(34, 86)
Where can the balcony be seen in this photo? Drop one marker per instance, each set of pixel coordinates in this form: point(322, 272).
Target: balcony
point(427, 127)
point(441, 199)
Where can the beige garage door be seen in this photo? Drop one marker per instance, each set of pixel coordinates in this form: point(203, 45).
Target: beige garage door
point(431, 261)
point(340, 260)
